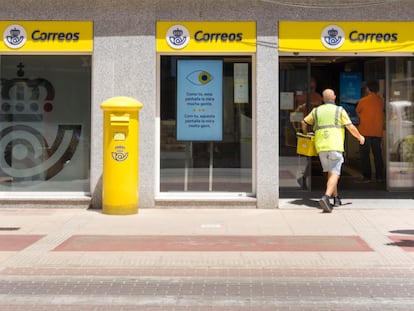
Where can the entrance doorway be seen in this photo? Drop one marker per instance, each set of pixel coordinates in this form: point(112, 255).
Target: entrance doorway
point(301, 79)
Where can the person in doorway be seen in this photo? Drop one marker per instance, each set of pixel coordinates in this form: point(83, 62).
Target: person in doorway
point(328, 122)
point(302, 98)
point(370, 110)
point(301, 106)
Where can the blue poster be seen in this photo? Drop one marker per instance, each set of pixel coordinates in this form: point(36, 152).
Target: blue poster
point(199, 100)
point(350, 90)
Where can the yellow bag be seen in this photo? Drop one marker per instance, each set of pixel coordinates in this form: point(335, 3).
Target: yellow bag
point(305, 145)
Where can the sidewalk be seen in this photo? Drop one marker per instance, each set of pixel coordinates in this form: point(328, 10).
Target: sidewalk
point(361, 233)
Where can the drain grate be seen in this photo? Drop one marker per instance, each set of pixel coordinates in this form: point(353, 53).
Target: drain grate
point(9, 228)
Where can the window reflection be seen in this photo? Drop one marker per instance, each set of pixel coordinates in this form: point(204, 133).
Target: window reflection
point(401, 124)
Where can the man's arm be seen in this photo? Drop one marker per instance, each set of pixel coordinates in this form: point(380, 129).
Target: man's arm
point(354, 131)
point(304, 127)
point(307, 121)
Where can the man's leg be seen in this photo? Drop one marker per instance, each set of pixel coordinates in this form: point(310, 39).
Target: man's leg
point(331, 189)
point(365, 160)
point(332, 184)
point(378, 160)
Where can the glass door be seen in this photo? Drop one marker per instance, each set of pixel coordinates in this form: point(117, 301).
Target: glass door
point(299, 93)
point(302, 80)
point(400, 112)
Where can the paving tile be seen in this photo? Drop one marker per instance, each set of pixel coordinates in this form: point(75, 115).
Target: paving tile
point(214, 243)
point(9, 242)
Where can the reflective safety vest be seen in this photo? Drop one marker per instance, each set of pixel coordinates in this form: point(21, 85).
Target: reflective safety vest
point(328, 128)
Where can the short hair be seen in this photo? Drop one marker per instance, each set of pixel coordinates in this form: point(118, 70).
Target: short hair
point(373, 86)
point(328, 95)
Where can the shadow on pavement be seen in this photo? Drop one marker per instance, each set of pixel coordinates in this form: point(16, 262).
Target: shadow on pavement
point(405, 240)
point(403, 231)
point(312, 203)
point(402, 243)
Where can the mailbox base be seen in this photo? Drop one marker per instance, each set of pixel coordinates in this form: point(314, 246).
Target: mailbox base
point(120, 210)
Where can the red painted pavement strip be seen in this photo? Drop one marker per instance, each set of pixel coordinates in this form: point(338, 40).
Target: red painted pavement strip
point(406, 242)
point(96, 243)
point(17, 242)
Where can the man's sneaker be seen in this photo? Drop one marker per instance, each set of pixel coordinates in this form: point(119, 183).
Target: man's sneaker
point(324, 203)
point(337, 201)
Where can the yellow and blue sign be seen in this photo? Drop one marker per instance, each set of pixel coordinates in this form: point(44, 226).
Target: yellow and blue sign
point(346, 37)
point(206, 37)
point(199, 100)
point(46, 36)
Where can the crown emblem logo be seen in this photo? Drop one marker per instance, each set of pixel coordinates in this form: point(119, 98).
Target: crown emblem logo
point(24, 99)
point(177, 32)
point(178, 37)
point(15, 33)
point(14, 36)
point(332, 37)
point(332, 32)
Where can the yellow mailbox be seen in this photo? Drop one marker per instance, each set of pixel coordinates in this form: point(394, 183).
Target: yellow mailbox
point(120, 156)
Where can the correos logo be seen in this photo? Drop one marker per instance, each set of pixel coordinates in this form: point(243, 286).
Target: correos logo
point(15, 36)
point(333, 37)
point(178, 37)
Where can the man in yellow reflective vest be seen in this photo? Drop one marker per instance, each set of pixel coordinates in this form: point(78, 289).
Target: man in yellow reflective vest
point(329, 122)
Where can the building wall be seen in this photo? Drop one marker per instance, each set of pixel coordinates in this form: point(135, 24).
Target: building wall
point(124, 62)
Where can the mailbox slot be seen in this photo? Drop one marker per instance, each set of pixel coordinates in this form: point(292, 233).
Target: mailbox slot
point(119, 120)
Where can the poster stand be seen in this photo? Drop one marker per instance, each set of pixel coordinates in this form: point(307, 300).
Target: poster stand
point(188, 152)
point(210, 168)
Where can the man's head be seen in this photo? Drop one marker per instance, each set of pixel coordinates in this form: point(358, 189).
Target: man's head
point(328, 95)
point(373, 86)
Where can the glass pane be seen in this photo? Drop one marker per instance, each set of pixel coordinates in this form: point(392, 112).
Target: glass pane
point(322, 72)
point(45, 123)
point(401, 124)
point(220, 166)
point(294, 170)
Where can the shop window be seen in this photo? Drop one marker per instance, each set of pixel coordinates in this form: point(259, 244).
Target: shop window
point(208, 147)
point(45, 123)
point(400, 136)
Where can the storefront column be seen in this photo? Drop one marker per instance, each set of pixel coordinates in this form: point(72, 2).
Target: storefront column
point(267, 116)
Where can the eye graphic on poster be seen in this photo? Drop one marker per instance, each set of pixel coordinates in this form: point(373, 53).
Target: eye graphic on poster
point(200, 77)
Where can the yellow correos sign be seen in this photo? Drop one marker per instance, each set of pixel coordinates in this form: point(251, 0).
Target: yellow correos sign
point(46, 36)
point(348, 37)
point(206, 36)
